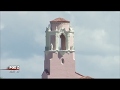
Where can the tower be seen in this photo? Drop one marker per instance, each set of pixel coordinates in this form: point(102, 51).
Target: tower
point(59, 50)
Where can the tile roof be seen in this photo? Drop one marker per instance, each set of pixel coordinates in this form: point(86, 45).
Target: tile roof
point(60, 20)
point(84, 77)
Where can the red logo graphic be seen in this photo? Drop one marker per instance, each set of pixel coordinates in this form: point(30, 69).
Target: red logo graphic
point(12, 68)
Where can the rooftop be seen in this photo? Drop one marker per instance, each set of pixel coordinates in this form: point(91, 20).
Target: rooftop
point(84, 77)
point(60, 20)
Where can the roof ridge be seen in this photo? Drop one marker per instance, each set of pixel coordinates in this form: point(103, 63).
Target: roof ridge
point(78, 73)
point(59, 19)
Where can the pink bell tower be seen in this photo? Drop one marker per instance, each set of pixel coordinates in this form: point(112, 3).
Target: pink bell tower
point(59, 51)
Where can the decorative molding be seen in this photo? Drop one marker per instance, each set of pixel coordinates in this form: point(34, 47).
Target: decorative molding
point(62, 31)
point(71, 29)
point(56, 52)
point(68, 52)
point(57, 33)
point(62, 52)
point(46, 29)
point(49, 29)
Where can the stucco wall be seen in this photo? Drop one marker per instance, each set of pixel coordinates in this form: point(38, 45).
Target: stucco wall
point(60, 25)
point(53, 62)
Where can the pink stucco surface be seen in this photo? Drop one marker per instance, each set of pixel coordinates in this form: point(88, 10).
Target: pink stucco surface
point(71, 41)
point(56, 68)
point(60, 25)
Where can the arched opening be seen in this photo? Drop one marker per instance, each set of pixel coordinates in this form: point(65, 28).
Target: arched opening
point(62, 42)
point(63, 61)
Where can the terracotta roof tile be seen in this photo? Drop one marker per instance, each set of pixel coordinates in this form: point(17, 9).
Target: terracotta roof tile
point(79, 74)
point(84, 77)
point(60, 20)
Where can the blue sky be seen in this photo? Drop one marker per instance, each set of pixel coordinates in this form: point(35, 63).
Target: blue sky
point(97, 42)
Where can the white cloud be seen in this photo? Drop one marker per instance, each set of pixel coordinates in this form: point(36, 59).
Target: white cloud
point(22, 12)
point(94, 40)
point(2, 26)
point(98, 66)
point(40, 38)
point(105, 63)
point(68, 12)
point(4, 54)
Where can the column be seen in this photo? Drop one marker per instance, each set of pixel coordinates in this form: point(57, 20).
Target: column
point(73, 40)
point(48, 41)
point(67, 42)
point(56, 43)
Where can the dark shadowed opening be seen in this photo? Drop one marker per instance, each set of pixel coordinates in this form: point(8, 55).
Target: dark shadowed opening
point(62, 61)
point(47, 72)
point(62, 43)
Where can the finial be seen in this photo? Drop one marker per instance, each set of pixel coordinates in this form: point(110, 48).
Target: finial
point(48, 28)
point(56, 28)
point(51, 46)
point(48, 25)
point(70, 28)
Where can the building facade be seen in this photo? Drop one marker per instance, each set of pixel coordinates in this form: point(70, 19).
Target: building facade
point(59, 51)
